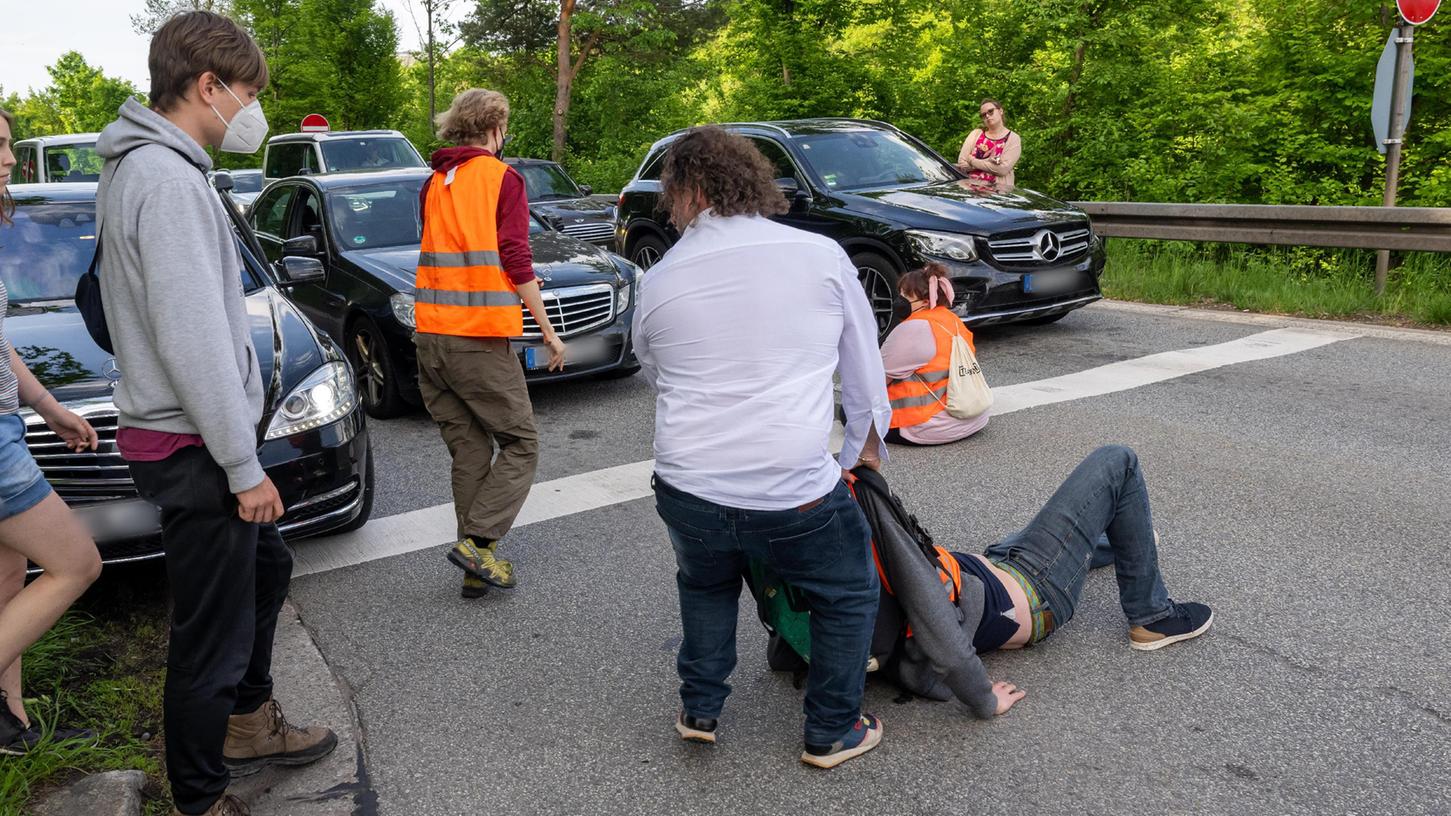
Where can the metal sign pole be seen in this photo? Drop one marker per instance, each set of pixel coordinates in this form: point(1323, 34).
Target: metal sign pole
point(1405, 38)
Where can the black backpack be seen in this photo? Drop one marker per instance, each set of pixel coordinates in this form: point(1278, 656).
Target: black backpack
point(88, 288)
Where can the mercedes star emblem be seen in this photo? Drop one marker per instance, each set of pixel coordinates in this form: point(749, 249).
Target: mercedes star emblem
point(1048, 244)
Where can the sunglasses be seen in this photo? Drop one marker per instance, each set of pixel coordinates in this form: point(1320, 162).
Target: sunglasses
point(986, 113)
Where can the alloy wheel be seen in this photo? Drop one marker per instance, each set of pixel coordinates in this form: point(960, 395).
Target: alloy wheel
point(370, 367)
point(879, 294)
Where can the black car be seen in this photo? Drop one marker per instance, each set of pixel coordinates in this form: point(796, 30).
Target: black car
point(365, 229)
point(893, 204)
point(313, 440)
point(571, 208)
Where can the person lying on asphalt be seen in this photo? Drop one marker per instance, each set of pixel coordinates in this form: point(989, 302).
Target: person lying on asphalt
point(1025, 587)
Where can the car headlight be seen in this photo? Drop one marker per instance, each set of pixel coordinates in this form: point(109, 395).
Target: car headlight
point(402, 308)
point(627, 289)
point(949, 245)
point(326, 396)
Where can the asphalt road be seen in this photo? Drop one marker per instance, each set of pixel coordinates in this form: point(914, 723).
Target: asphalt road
point(1304, 497)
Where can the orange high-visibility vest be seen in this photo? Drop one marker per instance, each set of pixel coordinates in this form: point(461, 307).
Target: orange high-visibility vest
point(924, 395)
point(462, 289)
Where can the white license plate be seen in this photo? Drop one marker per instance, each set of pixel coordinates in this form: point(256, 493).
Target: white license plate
point(1045, 283)
point(584, 351)
point(118, 520)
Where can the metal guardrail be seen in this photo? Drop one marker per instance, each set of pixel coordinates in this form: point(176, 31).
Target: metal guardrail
point(1402, 228)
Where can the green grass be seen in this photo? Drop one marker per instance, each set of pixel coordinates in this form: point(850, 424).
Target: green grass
point(1305, 281)
point(101, 667)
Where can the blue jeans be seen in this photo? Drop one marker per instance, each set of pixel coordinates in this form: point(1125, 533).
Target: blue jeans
point(824, 550)
point(1099, 515)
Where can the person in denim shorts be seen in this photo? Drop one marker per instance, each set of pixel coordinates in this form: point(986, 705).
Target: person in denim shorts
point(35, 525)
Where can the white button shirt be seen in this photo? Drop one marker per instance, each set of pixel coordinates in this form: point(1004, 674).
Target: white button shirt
point(740, 328)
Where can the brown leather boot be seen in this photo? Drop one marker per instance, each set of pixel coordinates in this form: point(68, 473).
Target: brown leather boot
point(228, 805)
point(265, 737)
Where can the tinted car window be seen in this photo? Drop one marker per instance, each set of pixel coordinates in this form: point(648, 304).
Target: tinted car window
point(78, 162)
point(271, 209)
point(246, 182)
point(381, 215)
point(288, 159)
point(856, 160)
point(342, 155)
point(47, 248)
point(776, 155)
point(24, 172)
point(652, 167)
point(547, 181)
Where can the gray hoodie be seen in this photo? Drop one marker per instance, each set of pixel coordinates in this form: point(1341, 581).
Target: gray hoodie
point(171, 279)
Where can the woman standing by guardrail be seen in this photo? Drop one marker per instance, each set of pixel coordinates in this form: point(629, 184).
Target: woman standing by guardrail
point(992, 151)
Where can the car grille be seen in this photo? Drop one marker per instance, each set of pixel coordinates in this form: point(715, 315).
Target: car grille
point(88, 476)
point(1031, 249)
point(574, 309)
point(596, 232)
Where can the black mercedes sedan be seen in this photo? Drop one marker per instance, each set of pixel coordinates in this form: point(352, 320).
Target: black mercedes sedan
point(893, 204)
point(563, 204)
point(313, 440)
point(365, 229)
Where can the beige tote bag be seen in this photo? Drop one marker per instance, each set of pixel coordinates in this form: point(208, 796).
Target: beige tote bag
point(968, 396)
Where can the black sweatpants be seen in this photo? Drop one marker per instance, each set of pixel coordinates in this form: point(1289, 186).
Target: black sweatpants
point(228, 581)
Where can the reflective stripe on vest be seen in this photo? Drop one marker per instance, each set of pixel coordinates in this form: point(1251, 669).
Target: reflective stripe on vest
point(462, 288)
point(924, 395)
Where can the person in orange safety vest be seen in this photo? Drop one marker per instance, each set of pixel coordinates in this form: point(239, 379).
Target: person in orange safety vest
point(916, 359)
point(475, 277)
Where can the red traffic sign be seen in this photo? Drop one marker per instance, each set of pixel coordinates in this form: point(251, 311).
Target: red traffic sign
point(1416, 12)
point(314, 122)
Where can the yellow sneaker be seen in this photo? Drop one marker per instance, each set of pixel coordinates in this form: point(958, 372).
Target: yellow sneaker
point(480, 562)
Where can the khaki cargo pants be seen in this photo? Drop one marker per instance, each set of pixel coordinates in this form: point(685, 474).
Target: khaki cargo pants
point(474, 389)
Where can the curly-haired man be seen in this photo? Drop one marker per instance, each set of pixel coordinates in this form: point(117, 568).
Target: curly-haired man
point(740, 329)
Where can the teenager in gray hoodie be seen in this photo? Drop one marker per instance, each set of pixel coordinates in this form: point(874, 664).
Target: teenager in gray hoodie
point(190, 400)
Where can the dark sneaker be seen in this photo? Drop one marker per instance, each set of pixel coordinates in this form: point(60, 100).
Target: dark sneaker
point(480, 562)
point(473, 587)
point(16, 738)
point(863, 737)
point(694, 729)
point(1189, 620)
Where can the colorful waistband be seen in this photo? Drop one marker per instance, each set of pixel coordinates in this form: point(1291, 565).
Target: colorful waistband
point(1041, 616)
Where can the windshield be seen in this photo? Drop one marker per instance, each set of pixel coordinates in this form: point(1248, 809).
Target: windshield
point(547, 181)
point(379, 215)
point(247, 182)
point(47, 248)
point(381, 153)
point(74, 162)
point(860, 159)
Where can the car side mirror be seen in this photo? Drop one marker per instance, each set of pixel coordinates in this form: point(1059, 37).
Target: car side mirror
point(222, 180)
point(303, 246)
point(294, 270)
point(586, 189)
point(794, 195)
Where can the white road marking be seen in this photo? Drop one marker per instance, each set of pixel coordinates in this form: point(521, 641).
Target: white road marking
point(433, 526)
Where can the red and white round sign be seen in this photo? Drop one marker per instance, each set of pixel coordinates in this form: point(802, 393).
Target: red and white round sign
point(313, 123)
point(1417, 11)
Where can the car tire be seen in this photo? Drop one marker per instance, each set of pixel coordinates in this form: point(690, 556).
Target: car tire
point(373, 370)
point(366, 510)
point(1043, 321)
point(647, 250)
point(878, 277)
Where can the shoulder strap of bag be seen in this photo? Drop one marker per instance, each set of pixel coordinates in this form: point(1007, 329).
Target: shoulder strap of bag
point(951, 369)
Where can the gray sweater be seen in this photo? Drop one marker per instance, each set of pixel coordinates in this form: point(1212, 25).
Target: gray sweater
point(171, 280)
point(938, 661)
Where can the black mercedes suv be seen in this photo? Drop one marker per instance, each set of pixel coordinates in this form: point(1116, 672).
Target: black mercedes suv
point(313, 438)
point(893, 204)
point(565, 205)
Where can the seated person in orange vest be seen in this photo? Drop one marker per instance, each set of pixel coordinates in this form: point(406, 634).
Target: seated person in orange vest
point(916, 356)
point(1023, 588)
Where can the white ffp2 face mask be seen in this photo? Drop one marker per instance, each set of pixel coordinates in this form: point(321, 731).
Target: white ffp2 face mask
point(247, 130)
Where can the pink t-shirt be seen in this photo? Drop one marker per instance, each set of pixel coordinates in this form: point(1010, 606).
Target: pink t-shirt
point(909, 347)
